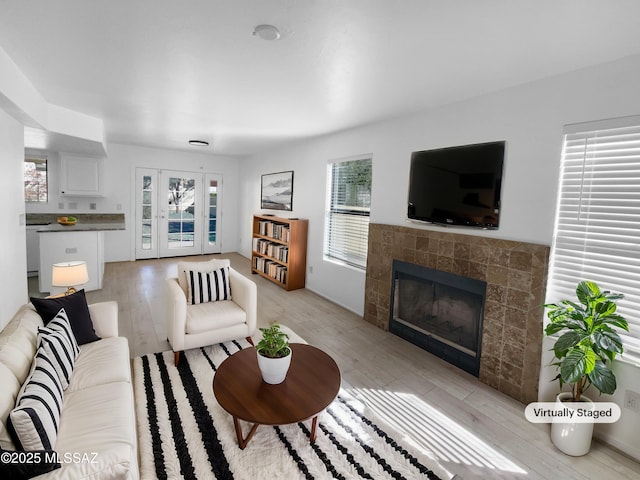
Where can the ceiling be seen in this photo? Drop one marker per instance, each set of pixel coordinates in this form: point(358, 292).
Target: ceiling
point(161, 72)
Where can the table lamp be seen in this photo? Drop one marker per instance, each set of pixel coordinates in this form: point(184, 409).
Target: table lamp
point(69, 274)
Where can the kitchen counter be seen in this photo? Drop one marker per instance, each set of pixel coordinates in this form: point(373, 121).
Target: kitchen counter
point(66, 243)
point(80, 227)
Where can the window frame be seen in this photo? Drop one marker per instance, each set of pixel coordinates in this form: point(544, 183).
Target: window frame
point(336, 248)
point(42, 159)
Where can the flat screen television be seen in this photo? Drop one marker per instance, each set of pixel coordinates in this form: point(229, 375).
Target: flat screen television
point(457, 185)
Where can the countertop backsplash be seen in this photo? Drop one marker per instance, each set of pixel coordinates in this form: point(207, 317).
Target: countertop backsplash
point(83, 218)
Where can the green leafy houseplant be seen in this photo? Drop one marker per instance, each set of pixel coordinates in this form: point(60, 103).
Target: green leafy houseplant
point(589, 343)
point(274, 342)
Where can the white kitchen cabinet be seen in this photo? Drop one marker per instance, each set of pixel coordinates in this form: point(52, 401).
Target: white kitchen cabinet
point(57, 247)
point(33, 250)
point(81, 175)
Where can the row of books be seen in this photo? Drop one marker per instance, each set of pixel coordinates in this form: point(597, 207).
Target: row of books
point(271, 268)
point(275, 250)
point(274, 230)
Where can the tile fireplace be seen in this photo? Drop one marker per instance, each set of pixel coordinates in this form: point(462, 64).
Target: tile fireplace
point(515, 275)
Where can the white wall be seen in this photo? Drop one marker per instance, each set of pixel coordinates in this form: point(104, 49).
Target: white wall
point(13, 246)
point(530, 118)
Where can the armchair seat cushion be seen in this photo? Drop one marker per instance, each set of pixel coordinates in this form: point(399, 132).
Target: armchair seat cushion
point(209, 316)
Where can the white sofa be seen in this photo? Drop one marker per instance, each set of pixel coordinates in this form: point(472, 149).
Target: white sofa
point(97, 432)
point(191, 326)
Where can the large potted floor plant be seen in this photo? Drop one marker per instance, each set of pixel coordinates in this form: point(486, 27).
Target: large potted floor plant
point(274, 354)
point(586, 346)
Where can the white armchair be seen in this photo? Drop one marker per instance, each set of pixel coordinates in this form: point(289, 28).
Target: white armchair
point(192, 326)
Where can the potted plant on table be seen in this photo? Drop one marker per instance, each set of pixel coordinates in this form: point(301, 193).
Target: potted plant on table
point(274, 354)
point(585, 350)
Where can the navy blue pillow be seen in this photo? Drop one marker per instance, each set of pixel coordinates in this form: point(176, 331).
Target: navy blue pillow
point(77, 311)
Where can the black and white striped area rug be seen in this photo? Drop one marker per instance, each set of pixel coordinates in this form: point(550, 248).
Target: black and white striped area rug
point(184, 433)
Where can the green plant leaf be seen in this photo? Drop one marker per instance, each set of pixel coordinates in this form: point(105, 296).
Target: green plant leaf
point(606, 308)
point(586, 290)
point(603, 378)
point(608, 341)
point(552, 328)
point(566, 342)
point(617, 321)
point(577, 364)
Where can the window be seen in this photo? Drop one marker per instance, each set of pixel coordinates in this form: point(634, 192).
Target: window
point(35, 179)
point(348, 205)
point(597, 233)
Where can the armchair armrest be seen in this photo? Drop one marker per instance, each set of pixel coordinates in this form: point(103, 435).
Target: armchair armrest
point(245, 294)
point(175, 313)
point(104, 316)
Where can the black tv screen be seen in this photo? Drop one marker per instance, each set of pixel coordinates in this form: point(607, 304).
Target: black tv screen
point(457, 185)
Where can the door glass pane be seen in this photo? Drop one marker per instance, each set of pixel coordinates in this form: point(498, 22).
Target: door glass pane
point(147, 205)
point(213, 210)
point(181, 207)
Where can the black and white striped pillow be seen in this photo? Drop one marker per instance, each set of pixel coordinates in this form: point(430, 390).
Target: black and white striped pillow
point(208, 286)
point(34, 422)
point(59, 342)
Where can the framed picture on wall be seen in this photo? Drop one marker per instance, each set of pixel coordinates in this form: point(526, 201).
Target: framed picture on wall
point(277, 191)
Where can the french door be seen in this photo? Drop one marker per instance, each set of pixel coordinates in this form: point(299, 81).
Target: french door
point(176, 213)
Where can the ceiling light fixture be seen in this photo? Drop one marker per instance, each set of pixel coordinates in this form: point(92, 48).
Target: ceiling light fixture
point(199, 143)
point(266, 32)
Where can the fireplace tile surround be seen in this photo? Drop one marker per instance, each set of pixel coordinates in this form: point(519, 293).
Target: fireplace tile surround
point(516, 275)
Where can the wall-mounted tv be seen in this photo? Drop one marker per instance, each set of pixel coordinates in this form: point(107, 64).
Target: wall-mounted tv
point(457, 185)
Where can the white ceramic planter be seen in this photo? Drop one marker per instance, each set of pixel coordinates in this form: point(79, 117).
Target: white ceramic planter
point(274, 370)
point(572, 438)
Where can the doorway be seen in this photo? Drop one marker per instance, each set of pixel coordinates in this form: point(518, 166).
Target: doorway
point(177, 213)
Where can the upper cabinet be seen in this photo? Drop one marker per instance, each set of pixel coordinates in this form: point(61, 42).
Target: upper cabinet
point(81, 175)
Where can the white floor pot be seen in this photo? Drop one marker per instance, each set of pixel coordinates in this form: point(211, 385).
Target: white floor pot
point(572, 438)
point(274, 370)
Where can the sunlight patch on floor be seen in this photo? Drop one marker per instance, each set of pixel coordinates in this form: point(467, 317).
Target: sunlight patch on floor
point(432, 431)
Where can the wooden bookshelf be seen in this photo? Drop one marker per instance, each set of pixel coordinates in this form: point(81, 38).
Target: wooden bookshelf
point(279, 250)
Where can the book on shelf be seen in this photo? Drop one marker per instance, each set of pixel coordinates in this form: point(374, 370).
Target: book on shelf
point(275, 250)
point(267, 228)
point(271, 268)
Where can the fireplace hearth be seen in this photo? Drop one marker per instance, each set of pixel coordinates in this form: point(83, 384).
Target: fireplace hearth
point(440, 312)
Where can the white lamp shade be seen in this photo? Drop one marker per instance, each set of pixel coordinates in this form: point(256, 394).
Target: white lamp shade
point(69, 274)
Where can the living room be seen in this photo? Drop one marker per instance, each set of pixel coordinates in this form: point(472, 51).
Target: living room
point(530, 117)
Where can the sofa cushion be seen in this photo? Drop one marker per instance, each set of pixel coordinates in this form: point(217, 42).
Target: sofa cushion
point(8, 393)
point(18, 342)
point(201, 318)
point(100, 363)
point(96, 419)
point(208, 286)
point(60, 344)
point(77, 311)
point(34, 422)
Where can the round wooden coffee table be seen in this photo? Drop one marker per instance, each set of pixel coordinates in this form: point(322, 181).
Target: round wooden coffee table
point(312, 383)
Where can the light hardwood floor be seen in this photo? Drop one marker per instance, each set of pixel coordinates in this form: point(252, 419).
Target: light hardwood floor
point(475, 431)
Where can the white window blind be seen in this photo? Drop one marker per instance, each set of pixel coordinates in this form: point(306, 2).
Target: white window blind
point(348, 205)
point(597, 233)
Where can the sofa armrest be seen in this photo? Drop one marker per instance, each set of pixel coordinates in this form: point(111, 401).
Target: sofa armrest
point(175, 313)
point(245, 294)
point(104, 316)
